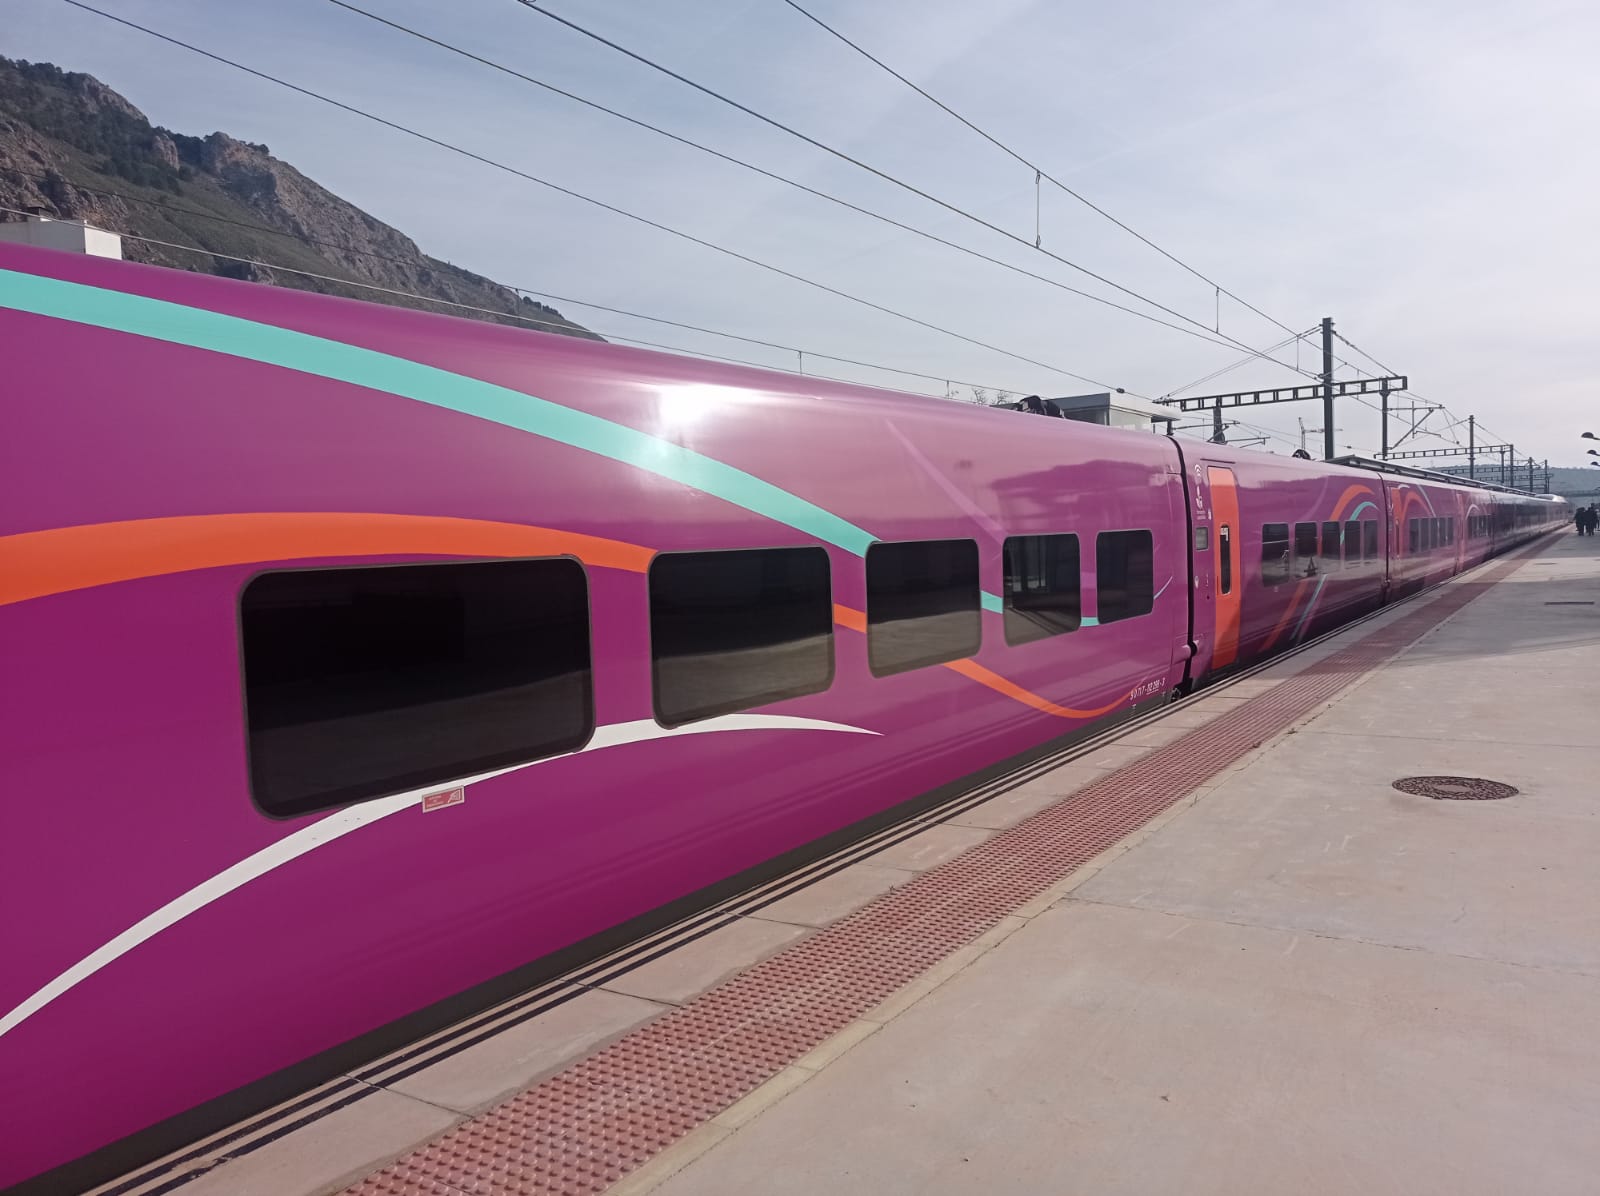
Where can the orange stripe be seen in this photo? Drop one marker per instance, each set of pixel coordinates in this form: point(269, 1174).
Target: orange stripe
point(36, 564)
point(1344, 499)
point(1294, 601)
point(983, 676)
point(856, 620)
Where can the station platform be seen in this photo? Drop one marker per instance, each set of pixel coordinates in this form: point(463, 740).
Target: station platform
point(1215, 952)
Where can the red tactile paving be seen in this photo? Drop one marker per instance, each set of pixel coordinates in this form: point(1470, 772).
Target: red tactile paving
point(586, 1127)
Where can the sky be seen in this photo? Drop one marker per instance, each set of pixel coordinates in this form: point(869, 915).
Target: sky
point(1425, 173)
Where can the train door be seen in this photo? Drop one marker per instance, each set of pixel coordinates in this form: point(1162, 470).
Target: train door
point(1227, 587)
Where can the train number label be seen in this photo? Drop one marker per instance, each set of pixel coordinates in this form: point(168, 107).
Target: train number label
point(1145, 690)
point(438, 801)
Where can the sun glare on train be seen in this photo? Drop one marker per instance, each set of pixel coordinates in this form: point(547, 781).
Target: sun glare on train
point(682, 407)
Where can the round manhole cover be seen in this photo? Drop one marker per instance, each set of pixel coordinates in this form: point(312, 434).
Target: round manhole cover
point(1455, 788)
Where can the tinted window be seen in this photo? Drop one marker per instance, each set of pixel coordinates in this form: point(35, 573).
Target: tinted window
point(1330, 547)
point(1352, 543)
point(1450, 530)
point(365, 682)
point(1274, 554)
point(1412, 538)
point(1305, 549)
point(1369, 539)
point(1124, 567)
point(1041, 595)
point(732, 630)
point(1225, 557)
point(922, 604)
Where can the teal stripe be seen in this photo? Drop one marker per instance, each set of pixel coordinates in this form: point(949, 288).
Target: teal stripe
point(1362, 507)
point(300, 351)
point(1315, 594)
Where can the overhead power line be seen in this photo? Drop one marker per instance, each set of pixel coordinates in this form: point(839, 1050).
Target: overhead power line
point(1038, 170)
point(567, 191)
point(562, 325)
point(1363, 353)
point(1228, 369)
point(1199, 334)
point(644, 60)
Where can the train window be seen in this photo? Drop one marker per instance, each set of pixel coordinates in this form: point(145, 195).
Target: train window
point(1352, 544)
point(1369, 539)
point(1413, 539)
point(1450, 530)
point(1225, 557)
point(1305, 549)
point(1124, 568)
point(1330, 547)
point(736, 629)
point(1042, 596)
point(364, 682)
point(1274, 554)
point(922, 604)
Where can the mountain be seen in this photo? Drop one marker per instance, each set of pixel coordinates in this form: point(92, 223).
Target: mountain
point(72, 147)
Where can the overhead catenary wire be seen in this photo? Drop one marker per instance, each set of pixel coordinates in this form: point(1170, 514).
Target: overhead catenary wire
point(531, 6)
point(602, 204)
point(1198, 333)
point(556, 325)
point(1039, 171)
point(306, 239)
point(1228, 369)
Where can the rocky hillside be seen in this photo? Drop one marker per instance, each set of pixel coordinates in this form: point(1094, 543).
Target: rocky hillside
point(72, 147)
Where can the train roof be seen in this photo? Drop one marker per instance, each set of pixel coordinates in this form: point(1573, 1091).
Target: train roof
point(1356, 461)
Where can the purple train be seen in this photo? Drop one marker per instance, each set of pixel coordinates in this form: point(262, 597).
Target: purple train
point(363, 664)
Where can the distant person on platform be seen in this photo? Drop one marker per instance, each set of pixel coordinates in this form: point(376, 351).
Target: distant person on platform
point(1580, 519)
point(1594, 518)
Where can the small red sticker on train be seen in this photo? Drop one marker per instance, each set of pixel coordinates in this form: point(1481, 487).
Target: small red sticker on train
point(438, 801)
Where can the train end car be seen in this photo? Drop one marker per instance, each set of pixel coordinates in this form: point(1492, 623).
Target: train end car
point(378, 663)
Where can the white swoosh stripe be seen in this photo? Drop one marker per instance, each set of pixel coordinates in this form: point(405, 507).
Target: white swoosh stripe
point(337, 825)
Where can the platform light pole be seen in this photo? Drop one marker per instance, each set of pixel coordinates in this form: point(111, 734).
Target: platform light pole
point(1472, 447)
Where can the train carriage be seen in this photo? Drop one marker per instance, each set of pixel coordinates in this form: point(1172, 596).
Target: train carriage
point(363, 665)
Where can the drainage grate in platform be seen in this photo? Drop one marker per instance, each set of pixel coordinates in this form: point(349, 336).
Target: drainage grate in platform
point(1456, 788)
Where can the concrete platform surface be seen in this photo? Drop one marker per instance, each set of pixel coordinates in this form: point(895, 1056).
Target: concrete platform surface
point(1304, 981)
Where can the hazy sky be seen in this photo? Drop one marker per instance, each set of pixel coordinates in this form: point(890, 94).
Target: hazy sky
point(1424, 172)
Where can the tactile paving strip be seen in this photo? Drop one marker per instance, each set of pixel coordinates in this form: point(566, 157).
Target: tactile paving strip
point(584, 1128)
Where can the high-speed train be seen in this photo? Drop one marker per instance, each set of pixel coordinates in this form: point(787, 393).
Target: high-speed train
point(360, 662)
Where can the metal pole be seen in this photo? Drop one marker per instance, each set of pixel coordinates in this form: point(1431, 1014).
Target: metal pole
point(1327, 388)
point(1546, 476)
point(1384, 398)
point(1217, 435)
point(1472, 447)
point(1530, 475)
